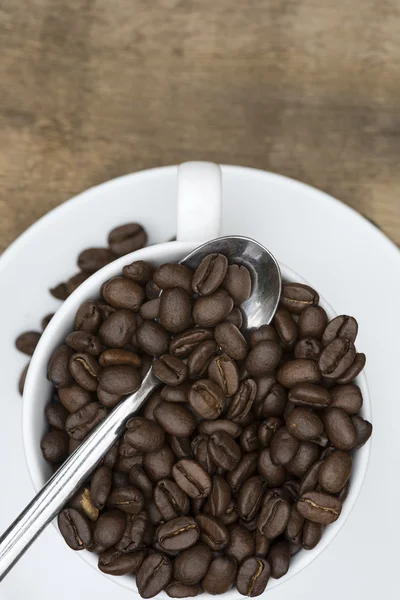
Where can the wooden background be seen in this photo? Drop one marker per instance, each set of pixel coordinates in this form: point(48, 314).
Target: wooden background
point(92, 89)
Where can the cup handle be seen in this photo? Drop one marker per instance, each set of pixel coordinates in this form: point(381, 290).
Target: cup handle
point(199, 201)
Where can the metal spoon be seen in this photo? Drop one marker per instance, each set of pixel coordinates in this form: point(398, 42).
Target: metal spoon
point(258, 310)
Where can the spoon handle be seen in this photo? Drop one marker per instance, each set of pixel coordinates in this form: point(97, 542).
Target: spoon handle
point(67, 479)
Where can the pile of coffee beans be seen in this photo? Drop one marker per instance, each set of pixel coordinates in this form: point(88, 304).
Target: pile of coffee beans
point(121, 240)
point(241, 457)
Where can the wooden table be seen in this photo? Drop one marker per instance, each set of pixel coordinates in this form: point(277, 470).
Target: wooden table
point(92, 89)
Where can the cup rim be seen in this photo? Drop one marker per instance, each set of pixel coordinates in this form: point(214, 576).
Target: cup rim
point(38, 367)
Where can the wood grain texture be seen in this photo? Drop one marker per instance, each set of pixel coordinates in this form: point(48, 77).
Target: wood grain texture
point(92, 89)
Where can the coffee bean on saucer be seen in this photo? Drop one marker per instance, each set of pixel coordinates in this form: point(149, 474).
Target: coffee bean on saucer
point(27, 342)
point(22, 378)
point(93, 259)
point(127, 238)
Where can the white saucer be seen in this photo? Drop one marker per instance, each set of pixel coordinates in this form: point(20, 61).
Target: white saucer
point(345, 257)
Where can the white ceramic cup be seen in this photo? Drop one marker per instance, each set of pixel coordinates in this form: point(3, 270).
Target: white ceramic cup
point(199, 212)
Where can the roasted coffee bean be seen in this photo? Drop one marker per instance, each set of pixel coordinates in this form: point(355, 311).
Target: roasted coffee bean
point(88, 317)
point(170, 369)
point(274, 475)
point(152, 290)
point(150, 405)
point(298, 296)
point(212, 532)
point(267, 429)
point(354, 370)
point(158, 465)
point(112, 562)
point(120, 479)
point(283, 446)
point(152, 338)
point(82, 421)
point(363, 430)
point(140, 271)
point(150, 309)
point(22, 378)
point(308, 348)
point(138, 532)
point(54, 446)
point(127, 499)
point(209, 274)
point(336, 358)
point(279, 559)
point(298, 371)
point(348, 397)
point(100, 486)
point(250, 496)
point(207, 399)
point(265, 333)
point(224, 372)
point(74, 528)
point(192, 564)
point(85, 369)
point(109, 528)
point(246, 467)
point(305, 457)
point(171, 275)
point(340, 327)
point(223, 450)
point(249, 439)
point(119, 379)
point(235, 317)
point(105, 309)
point(210, 310)
point(118, 328)
point(263, 358)
point(116, 356)
point(127, 238)
point(241, 543)
point(242, 401)
point(192, 478)
point(294, 526)
point(231, 341)
point(220, 496)
point(200, 358)
point(56, 415)
point(175, 419)
point(27, 342)
point(231, 515)
point(309, 394)
point(340, 428)
point(221, 575)
point(59, 291)
point(144, 435)
point(273, 404)
point(310, 480)
point(312, 534)
point(170, 500)
point(175, 310)
point(175, 589)
point(209, 427)
point(319, 507)
point(154, 514)
point(82, 341)
point(335, 471)
point(58, 368)
point(82, 501)
point(93, 259)
point(237, 283)
point(74, 282)
point(312, 322)
point(139, 480)
point(107, 399)
point(262, 544)
point(178, 534)
point(180, 446)
point(285, 327)
point(274, 515)
point(184, 343)
point(176, 393)
point(253, 576)
point(153, 575)
point(304, 424)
